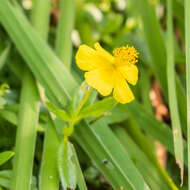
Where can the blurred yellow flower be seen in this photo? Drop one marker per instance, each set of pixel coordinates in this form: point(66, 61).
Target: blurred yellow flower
point(107, 72)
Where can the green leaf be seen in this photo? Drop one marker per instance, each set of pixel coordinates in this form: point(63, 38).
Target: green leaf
point(80, 178)
point(30, 45)
point(49, 176)
point(2, 102)
point(4, 56)
point(111, 23)
point(64, 31)
point(141, 161)
point(173, 103)
point(98, 108)
point(60, 113)
point(157, 48)
point(66, 166)
point(5, 178)
point(102, 146)
point(157, 129)
point(9, 116)
point(187, 42)
point(5, 156)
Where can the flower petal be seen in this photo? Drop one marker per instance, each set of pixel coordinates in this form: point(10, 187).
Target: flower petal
point(103, 53)
point(130, 73)
point(89, 59)
point(85, 58)
point(102, 80)
point(122, 93)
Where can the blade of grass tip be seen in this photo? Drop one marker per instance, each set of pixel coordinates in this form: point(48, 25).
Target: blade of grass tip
point(187, 41)
point(175, 119)
point(49, 177)
point(26, 134)
point(64, 31)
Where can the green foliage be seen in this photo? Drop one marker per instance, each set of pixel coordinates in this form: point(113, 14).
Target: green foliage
point(67, 166)
point(79, 135)
point(5, 156)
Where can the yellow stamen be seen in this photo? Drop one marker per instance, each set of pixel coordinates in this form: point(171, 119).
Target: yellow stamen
point(127, 54)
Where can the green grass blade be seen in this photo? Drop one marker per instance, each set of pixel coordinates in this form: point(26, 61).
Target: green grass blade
point(153, 36)
point(49, 177)
point(4, 56)
point(187, 40)
point(40, 16)
point(80, 178)
point(38, 52)
point(107, 161)
point(141, 161)
point(158, 130)
point(146, 147)
point(64, 31)
point(5, 178)
point(26, 134)
point(157, 49)
point(176, 126)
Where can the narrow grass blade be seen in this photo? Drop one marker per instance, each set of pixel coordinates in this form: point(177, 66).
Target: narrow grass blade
point(64, 31)
point(49, 177)
point(159, 130)
point(80, 178)
point(146, 147)
point(103, 153)
point(157, 49)
point(187, 40)
point(26, 134)
point(40, 16)
point(141, 161)
point(176, 125)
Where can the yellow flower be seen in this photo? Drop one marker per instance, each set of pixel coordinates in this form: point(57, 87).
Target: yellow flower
point(107, 72)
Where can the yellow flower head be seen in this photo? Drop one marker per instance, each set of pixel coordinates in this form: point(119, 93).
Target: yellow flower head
point(107, 72)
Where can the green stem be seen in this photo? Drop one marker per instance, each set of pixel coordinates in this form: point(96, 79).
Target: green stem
point(64, 31)
point(26, 134)
point(176, 125)
point(83, 101)
point(187, 40)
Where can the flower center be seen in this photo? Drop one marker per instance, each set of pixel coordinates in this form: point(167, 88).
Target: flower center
point(126, 55)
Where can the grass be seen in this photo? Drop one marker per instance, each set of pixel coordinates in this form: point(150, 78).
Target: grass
point(63, 134)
